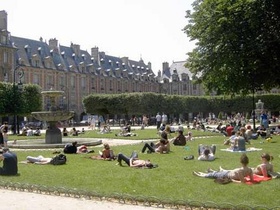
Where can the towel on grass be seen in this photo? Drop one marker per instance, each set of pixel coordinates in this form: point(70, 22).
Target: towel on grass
point(250, 149)
point(257, 179)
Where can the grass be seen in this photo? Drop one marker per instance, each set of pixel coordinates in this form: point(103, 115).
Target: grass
point(171, 181)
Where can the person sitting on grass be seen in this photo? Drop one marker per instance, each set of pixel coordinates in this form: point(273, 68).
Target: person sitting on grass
point(126, 131)
point(10, 162)
point(106, 154)
point(231, 139)
point(162, 146)
point(236, 175)
point(73, 132)
point(179, 140)
point(265, 168)
point(133, 161)
point(239, 143)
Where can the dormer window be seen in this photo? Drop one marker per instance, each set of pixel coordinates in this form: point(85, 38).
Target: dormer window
point(4, 39)
point(102, 60)
point(27, 48)
point(39, 50)
point(92, 59)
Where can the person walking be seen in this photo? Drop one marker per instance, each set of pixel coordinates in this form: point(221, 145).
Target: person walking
point(158, 119)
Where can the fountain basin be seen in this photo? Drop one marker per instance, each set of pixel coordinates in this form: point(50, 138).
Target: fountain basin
point(53, 116)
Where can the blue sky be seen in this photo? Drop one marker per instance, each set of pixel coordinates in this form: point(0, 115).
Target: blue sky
point(147, 29)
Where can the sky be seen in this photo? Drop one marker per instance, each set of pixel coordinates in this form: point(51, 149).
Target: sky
point(147, 29)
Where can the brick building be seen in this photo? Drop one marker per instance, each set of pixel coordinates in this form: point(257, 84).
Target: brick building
point(80, 73)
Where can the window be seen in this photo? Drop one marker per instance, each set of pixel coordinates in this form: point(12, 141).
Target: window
point(111, 85)
point(92, 84)
point(4, 39)
point(194, 87)
point(83, 83)
point(36, 79)
point(5, 57)
point(50, 80)
point(102, 84)
point(72, 81)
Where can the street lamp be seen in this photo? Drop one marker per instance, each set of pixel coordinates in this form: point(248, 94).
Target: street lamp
point(254, 112)
point(19, 88)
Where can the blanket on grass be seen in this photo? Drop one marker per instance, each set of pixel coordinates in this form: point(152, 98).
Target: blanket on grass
point(250, 149)
point(257, 179)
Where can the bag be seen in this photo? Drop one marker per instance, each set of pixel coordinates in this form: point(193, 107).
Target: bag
point(58, 160)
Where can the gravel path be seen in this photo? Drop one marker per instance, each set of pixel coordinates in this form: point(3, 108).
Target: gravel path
point(15, 200)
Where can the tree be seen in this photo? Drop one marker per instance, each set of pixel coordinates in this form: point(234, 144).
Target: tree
point(238, 44)
point(17, 102)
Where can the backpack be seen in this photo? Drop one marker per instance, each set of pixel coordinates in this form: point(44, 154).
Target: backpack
point(58, 160)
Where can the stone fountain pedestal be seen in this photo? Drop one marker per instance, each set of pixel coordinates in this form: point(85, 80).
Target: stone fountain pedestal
point(53, 133)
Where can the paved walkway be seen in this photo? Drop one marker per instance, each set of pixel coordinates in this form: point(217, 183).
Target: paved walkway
point(16, 200)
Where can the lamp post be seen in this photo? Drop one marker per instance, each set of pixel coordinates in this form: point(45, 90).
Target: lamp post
point(17, 88)
point(254, 112)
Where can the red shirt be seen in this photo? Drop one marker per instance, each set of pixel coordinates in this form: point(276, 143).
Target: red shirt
point(229, 129)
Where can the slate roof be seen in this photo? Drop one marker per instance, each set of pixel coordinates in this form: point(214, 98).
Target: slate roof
point(66, 56)
point(176, 68)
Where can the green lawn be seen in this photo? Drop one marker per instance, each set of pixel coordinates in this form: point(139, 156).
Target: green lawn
point(172, 181)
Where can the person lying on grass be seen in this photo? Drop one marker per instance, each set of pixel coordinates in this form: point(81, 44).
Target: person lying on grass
point(236, 175)
point(133, 161)
point(38, 160)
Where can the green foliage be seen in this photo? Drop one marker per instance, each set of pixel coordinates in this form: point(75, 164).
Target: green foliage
point(18, 102)
point(237, 44)
point(151, 103)
point(32, 99)
point(172, 181)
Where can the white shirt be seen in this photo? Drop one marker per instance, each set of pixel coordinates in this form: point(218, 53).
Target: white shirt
point(209, 158)
point(158, 117)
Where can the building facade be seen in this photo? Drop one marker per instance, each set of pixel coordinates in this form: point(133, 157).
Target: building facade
point(79, 73)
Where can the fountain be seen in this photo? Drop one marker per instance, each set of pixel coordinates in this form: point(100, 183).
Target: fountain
point(53, 133)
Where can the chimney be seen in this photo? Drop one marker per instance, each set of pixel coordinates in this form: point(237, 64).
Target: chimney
point(53, 44)
point(159, 73)
point(125, 61)
point(3, 20)
point(165, 66)
point(150, 65)
point(76, 49)
point(95, 54)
